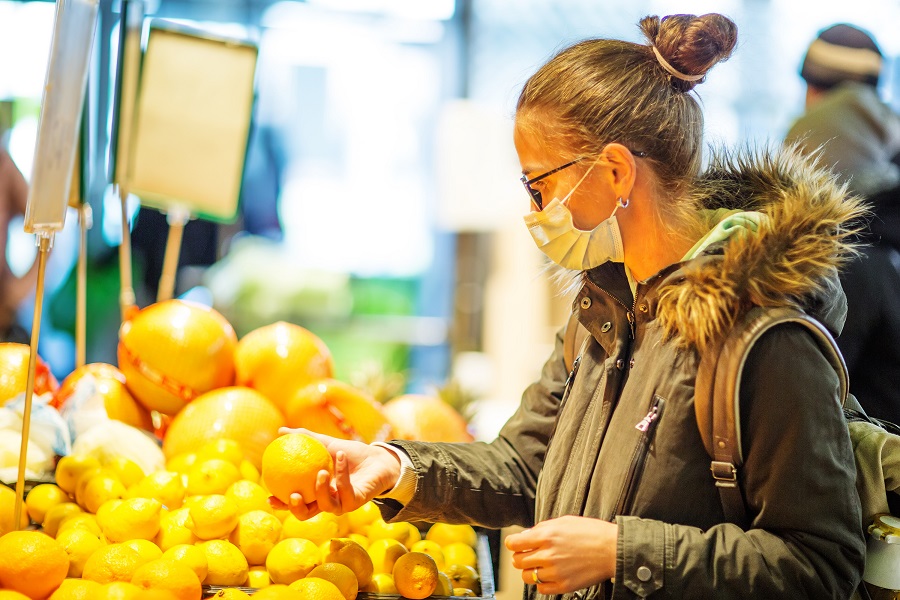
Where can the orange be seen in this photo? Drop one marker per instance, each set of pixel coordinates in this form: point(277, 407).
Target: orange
point(109, 384)
point(316, 588)
point(279, 359)
point(291, 463)
point(14, 372)
point(167, 575)
point(338, 409)
point(415, 575)
point(75, 589)
point(425, 418)
point(79, 544)
point(172, 352)
point(116, 562)
point(32, 563)
point(8, 511)
point(237, 413)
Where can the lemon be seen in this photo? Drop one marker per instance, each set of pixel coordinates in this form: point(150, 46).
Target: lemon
point(55, 516)
point(445, 586)
point(71, 467)
point(378, 529)
point(359, 539)
point(165, 486)
point(278, 591)
point(415, 575)
point(76, 589)
point(213, 516)
point(32, 563)
point(224, 449)
point(104, 509)
point(258, 577)
point(460, 553)
point(8, 500)
point(249, 471)
point(99, 489)
point(340, 575)
point(173, 530)
point(131, 519)
point(256, 534)
point(42, 498)
point(464, 576)
point(316, 588)
point(146, 549)
point(225, 563)
point(230, 594)
point(83, 480)
point(125, 469)
point(432, 549)
point(211, 476)
point(447, 533)
point(382, 583)
point(168, 576)
point(115, 562)
point(190, 556)
point(81, 520)
point(79, 544)
point(384, 553)
point(118, 590)
point(360, 519)
point(248, 496)
point(182, 463)
point(292, 559)
point(413, 535)
point(347, 552)
point(463, 592)
point(317, 529)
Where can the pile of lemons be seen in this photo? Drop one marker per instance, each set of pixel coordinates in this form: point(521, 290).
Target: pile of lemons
point(105, 529)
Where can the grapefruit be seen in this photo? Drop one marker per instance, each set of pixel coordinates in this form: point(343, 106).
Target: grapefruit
point(14, 372)
point(425, 418)
point(110, 386)
point(338, 409)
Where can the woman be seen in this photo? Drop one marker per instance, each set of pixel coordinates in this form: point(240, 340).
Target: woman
point(605, 464)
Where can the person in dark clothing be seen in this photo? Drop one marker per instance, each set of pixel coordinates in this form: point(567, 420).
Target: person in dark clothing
point(13, 290)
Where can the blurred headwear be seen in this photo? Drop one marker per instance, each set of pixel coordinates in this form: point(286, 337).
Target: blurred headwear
point(842, 53)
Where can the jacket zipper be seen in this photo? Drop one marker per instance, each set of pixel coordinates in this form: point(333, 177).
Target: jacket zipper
point(647, 426)
point(629, 313)
point(566, 391)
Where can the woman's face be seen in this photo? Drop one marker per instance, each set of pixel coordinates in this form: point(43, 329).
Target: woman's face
point(592, 200)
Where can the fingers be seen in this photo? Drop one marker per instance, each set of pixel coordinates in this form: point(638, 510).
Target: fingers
point(522, 541)
point(326, 497)
point(342, 483)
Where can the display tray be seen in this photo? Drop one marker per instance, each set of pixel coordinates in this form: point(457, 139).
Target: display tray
point(485, 571)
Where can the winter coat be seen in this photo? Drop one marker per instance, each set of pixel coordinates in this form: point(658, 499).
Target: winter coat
point(573, 448)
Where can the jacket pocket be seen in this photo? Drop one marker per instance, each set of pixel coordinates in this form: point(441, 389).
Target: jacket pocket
point(647, 427)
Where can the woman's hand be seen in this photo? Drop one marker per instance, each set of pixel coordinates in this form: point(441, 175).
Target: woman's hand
point(568, 553)
point(361, 472)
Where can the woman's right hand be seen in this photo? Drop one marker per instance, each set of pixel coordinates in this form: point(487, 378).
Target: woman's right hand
point(361, 472)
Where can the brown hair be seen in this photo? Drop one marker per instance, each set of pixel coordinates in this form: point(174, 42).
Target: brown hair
point(600, 91)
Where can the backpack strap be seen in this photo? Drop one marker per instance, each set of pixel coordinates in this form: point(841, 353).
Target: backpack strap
point(573, 341)
point(717, 394)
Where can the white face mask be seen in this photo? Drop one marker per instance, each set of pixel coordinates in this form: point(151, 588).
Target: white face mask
point(556, 236)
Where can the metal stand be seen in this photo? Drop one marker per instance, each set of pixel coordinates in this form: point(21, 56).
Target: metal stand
point(127, 302)
point(177, 220)
point(85, 222)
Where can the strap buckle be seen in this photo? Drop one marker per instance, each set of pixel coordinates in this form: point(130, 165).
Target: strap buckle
point(725, 473)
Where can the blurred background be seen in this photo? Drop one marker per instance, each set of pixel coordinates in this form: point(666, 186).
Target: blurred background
point(380, 204)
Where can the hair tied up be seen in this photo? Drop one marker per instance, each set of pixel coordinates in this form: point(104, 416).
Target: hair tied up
point(672, 70)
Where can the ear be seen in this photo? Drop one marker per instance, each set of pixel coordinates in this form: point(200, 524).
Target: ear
point(622, 168)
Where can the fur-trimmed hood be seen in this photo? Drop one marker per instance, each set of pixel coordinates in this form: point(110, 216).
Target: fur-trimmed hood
point(792, 260)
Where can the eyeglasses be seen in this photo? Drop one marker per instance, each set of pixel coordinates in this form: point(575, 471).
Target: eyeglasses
point(536, 194)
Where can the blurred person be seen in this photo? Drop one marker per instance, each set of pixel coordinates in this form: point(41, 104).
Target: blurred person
point(604, 464)
point(853, 132)
point(13, 290)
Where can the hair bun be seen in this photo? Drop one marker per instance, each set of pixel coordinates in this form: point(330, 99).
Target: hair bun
point(689, 45)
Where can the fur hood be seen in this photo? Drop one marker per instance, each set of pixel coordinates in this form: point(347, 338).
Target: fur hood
point(793, 260)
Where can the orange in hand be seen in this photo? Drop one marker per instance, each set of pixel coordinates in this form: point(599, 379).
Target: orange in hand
point(291, 463)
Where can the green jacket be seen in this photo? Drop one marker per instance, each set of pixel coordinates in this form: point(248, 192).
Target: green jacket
point(573, 448)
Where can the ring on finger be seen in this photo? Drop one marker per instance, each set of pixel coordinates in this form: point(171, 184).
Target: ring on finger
point(534, 576)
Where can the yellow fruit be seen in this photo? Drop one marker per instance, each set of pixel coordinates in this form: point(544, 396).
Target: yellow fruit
point(79, 544)
point(105, 508)
point(230, 594)
point(213, 516)
point(316, 588)
point(444, 587)
point(147, 550)
point(70, 468)
point(382, 583)
point(399, 531)
point(464, 592)
point(292, 559)
point(415, 575)
point(278, 591)
point(167, 575)
point(337, 409)
point(359, 539)
point(188, 346)
point(291, 464)
point(14, 363)
point(225, 563)
point(12, 595)
point(425, 418)
point(256, 534)
point(460, 553)
point(249, 471)
point(317, 529)
point(446, 533)
point(279, 359)
point(191, 557)
point(75, 589)
point(413, 535)
point(32, 563)
point(127, 471)
point(464, 576)
point(248, 496)
point(116, 562)
point(108, 384)
point(432, 549)
point(135, 518)
point(340, 575)
point(362, 517)
point(8, 511)
point(182, 463)
point(347, 552)
point(212, 476)
point(258, 577)
point(55, 516)
point(237, 413)
point(384, 553)
point(99, 489)
point(119, 590)
point(81, 520)
point(42, 498)
point(165, 486)
point(222, 448)
point(173, 530)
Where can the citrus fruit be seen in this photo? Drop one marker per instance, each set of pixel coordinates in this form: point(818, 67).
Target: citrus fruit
point(359, 539)
point(190, 556)
point(70, 468)
point(447, 533)
point(125, 469)
point(291, 464)
point(445, 586)
point(32, 563)
point(337, 409)
point(382, 583)
point(8, 511)
point(75, 589)
point(43, 497)
point(249, 471)
point(213, 516)
point(182, 463)
point(231, 594)
point(316, 588)
point(432, 549)
point(425, 418)
point(463, 576)
point(258, 577)
point(225, 563)
point(384, 553)
point(256, 534)
point(164, 574)
point(292, 559)
point(347, 552)
point(173, 529)
point(12, 595)
point(99, 489)
point(211, 476)
point(247, 496)
point(55, 516)
point(463, 592)
point(415, 575)
point(460, 553)
point(171, 352)
point(278, 591)
point(81, 520)
point(413, 535)
point(130, 519)
point(165, 486)
point(14, 360)
point(119, 590)
point(362, 517)
point(279, 359)
point(340, 575)
point(222, 448)
point(379, 529)
point(109, 384)
point(146, 549)
point(115, 562)
point(317, 529)
point(79, 544)
point(237, 413)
